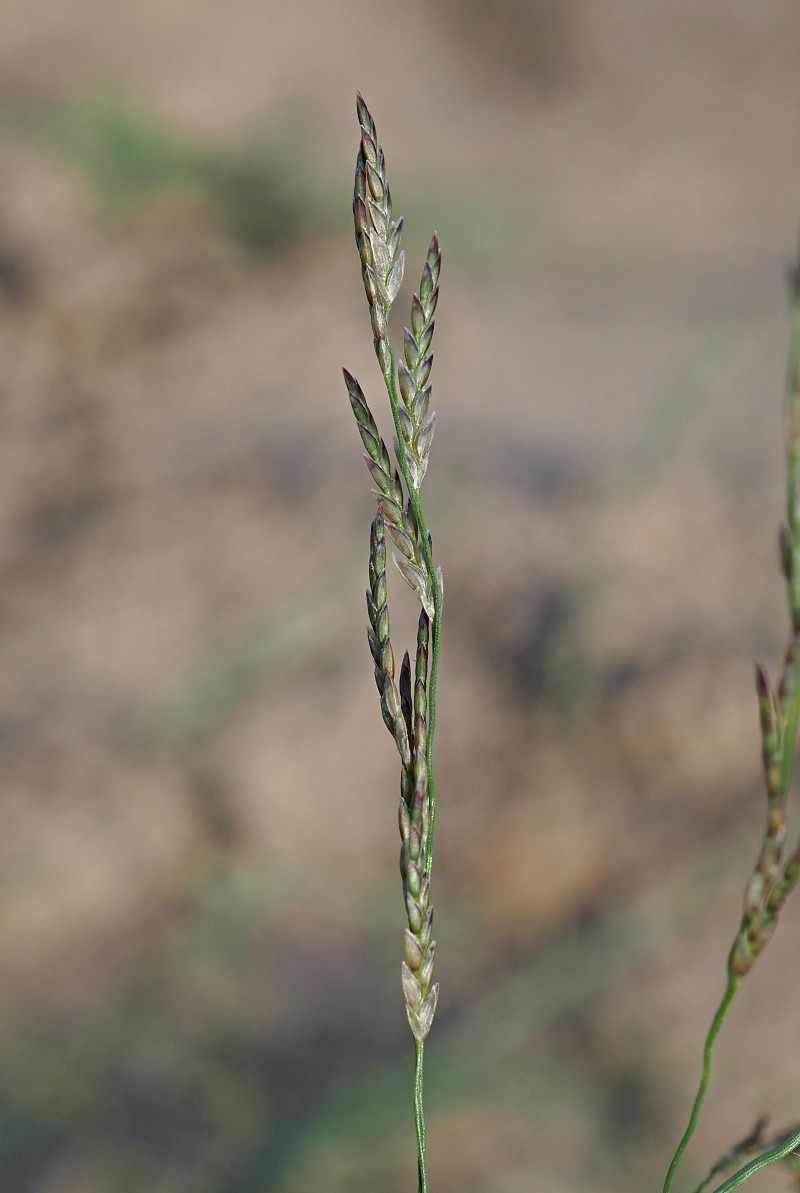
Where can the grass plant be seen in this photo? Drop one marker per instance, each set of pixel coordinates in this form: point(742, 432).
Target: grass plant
point(408, 699)
point(408, 706)
point(776, 869)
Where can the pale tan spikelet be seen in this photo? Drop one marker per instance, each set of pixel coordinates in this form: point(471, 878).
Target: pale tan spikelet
point(418, 581)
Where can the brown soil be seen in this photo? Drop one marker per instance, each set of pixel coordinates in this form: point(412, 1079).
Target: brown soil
point(200, 922)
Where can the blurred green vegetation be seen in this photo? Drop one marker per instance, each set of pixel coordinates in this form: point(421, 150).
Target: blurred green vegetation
point(190, 1074)
point(260, 189)
point(265, 193)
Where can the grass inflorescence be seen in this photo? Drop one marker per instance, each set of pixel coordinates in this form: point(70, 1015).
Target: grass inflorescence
point(407, 701)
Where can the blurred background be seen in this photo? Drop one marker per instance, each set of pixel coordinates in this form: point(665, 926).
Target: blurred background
point(200, 910)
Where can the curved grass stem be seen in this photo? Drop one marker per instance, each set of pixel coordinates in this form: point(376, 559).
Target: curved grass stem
point(716, 1023)
point(775, 1153)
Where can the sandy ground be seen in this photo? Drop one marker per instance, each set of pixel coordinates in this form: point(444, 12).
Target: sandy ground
point(200, 920)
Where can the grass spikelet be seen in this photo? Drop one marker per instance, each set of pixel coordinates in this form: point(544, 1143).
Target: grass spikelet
point(416, 423)
point(399, 519)
point(377, 234)
point(380, 645)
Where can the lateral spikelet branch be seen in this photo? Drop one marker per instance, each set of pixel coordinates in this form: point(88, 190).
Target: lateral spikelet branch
point(775, 874)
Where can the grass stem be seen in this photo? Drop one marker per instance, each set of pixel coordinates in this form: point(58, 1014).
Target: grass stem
point(419, 1114)
point(716, 1023)
point(776, 1153)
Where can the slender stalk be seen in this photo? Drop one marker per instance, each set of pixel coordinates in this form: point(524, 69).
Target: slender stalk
point(435, 636)
point(419, 1114)
point(776, 1153)
point(713, 1032)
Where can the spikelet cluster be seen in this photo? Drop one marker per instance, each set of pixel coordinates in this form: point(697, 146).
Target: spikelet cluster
point(404, 711)
point(419, 991)
point(377, 235)
point(416, 424)
point(382, 266)
point(775, 874)
point(398, 516)
point(403, 698)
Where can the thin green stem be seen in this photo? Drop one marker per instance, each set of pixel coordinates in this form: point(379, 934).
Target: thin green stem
point(419, 1115)
point(437, 605)
point(744, 1174)
point(789, 733)
point(713, 1032)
